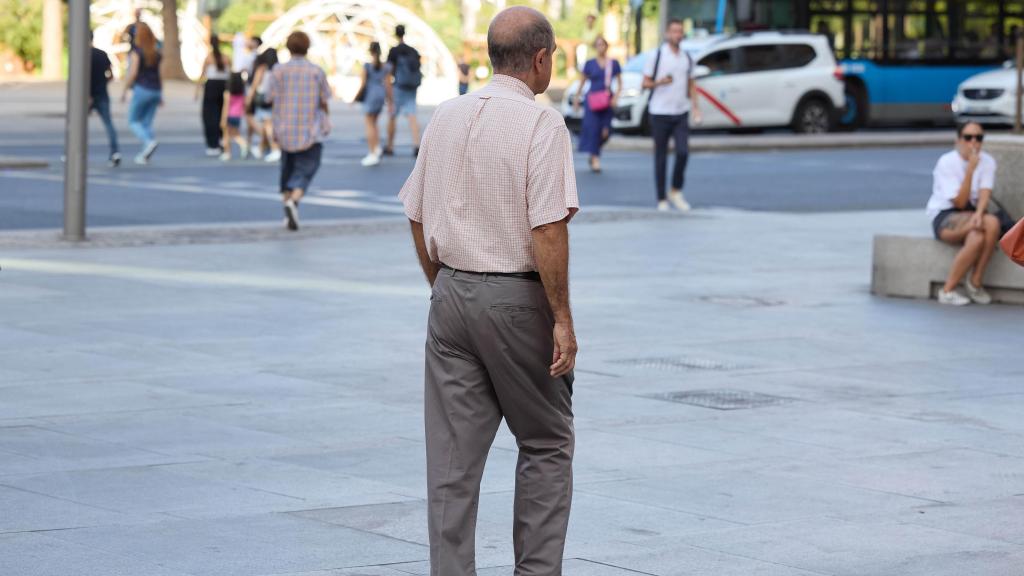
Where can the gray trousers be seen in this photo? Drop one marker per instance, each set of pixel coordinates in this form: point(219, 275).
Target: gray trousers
point(489, 346)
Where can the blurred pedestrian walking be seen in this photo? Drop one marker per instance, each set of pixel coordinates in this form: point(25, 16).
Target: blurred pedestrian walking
point(99, 99)
point(234, 111)
point(962, 186)
point(463, 76)
point(489, 204)
point(144, 82)
point(300, 95)
point(213, 83)
point(252, 60)
point(407, 77)
point(669, 77)
point(375, 93)
point(599, 102)
point(260, 104)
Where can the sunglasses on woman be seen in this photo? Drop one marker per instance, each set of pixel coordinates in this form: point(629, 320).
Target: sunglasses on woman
point(970, 137)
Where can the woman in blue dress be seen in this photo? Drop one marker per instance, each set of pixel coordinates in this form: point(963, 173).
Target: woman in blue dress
point(602, 72)
point(376, 92)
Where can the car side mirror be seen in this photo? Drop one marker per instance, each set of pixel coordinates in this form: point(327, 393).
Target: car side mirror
point(701, 71)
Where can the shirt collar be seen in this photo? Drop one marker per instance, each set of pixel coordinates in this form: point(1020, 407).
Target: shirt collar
point(514, 84)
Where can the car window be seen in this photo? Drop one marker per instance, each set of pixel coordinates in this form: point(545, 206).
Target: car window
point(758, 58)
point(636, 63)
point(720, 62)
point(796, 55)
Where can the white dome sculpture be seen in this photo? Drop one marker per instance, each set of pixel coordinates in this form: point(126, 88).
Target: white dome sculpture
point(111, 17)
point(340, 32)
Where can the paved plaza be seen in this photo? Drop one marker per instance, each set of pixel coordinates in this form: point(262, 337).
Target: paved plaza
point(743, 407)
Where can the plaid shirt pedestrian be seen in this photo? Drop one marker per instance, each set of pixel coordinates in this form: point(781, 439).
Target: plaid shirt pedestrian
point(299, 92)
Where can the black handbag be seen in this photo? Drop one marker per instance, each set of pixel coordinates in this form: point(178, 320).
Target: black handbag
point(1006, 221)
point(361, 95)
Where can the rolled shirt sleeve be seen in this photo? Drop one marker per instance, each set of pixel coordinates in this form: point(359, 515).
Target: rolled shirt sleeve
point(945, 182)
point(551, 181)
point(411, 194)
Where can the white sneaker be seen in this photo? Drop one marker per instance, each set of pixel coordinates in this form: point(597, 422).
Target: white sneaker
point(953, 298)
point(378, 151)
point(147, 152)
point(140, 159)
point(291, 215)
point(677, 199)
point(273, 156)
point(663, 206)
point(225, 157)
point(370, 160)
point(977, 295)
point(243, 152)
point(211, 152)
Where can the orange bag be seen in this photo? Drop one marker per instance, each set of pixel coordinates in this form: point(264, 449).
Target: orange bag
point(1013, 243)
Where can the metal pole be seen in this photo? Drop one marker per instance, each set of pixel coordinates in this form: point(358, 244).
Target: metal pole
point(720, 17)
point(1020, 83)
point(77, 135)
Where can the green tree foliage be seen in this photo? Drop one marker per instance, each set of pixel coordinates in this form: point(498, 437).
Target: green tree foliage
point(235, 17)
point(21, 29)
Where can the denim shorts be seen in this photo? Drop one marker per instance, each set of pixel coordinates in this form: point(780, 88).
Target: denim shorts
point(298, 168)
point(234, 121)
point(405, 102)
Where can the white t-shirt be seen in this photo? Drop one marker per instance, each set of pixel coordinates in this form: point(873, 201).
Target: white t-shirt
point(949, 174)
point(672, 99)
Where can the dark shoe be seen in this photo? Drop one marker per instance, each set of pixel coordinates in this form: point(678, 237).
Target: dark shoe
point(115, 159)
point(389, 152)
point(291, 214)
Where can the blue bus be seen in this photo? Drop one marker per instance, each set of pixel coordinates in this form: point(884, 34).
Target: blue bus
point(902, 59)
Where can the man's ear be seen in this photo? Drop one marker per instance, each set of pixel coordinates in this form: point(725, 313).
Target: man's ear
point(538, 58)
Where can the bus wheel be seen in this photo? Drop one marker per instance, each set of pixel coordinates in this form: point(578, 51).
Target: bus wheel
point(813, 116)
point(855, 115)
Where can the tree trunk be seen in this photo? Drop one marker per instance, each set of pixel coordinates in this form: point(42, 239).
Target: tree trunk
point(171, 67)
point(470, 11)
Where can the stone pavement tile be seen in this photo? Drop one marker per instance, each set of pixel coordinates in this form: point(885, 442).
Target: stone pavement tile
point(742, 492)
point(679, 559)
point(174, 433)
point(1000, 519)
point(148, 490)
point(843, 548)
point(361, 571)
point(40, 554)
point(25, 511)
point(31, 449)
point(998, 411)
point(245, 546)
point(315, 488)
point(324, 422)
point(609, 450)
point(252, 387)
point(74, 398)
point(955, 475)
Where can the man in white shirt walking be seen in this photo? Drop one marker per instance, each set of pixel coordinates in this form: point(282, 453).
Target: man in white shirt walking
point(669, 77)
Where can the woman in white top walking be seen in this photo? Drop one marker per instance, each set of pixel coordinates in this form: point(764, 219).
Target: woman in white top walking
point(259, 102)
point(212, 85)
point(961, 192)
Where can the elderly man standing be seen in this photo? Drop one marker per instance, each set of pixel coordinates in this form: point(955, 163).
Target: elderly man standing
point(489, 203)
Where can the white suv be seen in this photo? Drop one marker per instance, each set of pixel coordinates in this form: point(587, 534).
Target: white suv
point(751, 80)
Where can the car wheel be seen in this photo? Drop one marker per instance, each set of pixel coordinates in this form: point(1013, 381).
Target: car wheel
point(812, 117)
point(855, 115)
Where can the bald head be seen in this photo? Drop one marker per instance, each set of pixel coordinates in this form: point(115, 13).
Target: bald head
point(515, 36)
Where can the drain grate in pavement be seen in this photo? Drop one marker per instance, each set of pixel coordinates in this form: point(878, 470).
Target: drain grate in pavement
point(741, 301)
point(723, 399)
point(676, 364)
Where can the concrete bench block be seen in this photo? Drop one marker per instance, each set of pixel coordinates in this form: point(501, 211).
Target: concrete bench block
point(916, 267)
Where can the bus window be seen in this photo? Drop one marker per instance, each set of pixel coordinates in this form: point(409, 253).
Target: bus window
point(866, 37)
point(918, 37)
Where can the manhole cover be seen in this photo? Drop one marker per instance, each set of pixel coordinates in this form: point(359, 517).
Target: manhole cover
point(676, 364)
point(741, 301)
point(723, 399)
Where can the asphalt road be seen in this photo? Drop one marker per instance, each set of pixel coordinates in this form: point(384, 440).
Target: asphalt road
point(182, 186)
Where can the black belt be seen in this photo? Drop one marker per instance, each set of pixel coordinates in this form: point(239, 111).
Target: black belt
point(521, 275)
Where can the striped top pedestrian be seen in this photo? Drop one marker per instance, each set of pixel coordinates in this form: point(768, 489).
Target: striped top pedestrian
point(300, 93)
point(492, 166)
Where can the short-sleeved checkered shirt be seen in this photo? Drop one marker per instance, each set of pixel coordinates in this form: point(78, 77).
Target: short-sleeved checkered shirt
point(299, 92)
point(492, 166)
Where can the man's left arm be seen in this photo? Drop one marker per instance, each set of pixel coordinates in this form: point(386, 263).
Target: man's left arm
point(430, 268)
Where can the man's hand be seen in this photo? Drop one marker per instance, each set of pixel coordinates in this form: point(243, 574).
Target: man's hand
point(977, 221)
point(563, 360)
point(698, 117)
point(665, 81)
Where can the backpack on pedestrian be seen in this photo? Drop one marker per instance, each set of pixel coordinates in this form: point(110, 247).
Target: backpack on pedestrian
point(407, 71)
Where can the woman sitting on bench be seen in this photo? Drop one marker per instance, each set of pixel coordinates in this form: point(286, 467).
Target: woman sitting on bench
point(962, 189)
